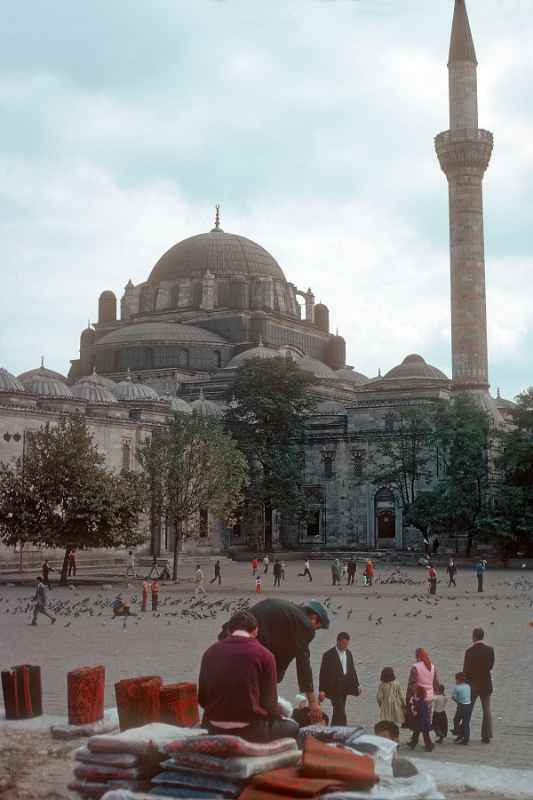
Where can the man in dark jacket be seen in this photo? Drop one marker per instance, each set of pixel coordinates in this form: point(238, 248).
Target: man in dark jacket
point(338, 678)
point(287, 631)
point(478, 663)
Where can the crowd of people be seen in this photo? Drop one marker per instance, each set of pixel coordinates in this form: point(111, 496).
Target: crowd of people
point(239, 673)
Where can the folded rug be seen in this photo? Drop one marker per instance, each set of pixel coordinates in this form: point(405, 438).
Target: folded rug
point(97, 789)
point(321, 760)
point(187, 794)
point(330, 733)
point(236, 768)
point(192, 779)
point(290, 782)
point(97, 772)
point(253, 793)
point(230, 746)
point(141, 740)
point(124, 760)
point(125, 794)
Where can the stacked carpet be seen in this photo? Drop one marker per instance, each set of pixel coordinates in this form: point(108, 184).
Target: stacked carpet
point(85, 695)
point(219, 766)
point(22, 692)
point(124, 761)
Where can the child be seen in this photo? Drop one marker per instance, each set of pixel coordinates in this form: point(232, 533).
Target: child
point(369, 573)
point(258, 586)
point(422, 719)
point(463, 697)
point(301, 713)
point(440, 719)
point(387, 730)
point(155, 594)
point(390, 698)
point(255, 564)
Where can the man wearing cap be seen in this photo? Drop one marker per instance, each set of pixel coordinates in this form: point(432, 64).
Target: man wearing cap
point(287, 630)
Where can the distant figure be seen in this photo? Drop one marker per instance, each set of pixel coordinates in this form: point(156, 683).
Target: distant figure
point(199, 580)
point(153, 570)
point(266, 564)
point(451, 569)
point(146, 587)
point(432, 579)
point(41, 601)
point(282, 570)
point(72, 563)
point(218, 574)
point(390, 697)
point(352, 569)
point(154, 588)
point(258, 584)
point(338, 678)
point(306, 571)
point(480, 568)
point(336, 572)
point(120, 607)
point(255, 564)
point(478, 665)
point(165, 573)
point(46, 569)
point(130, 570)
point(277, 571)
point(463, 697)
point(440, 718)
point(435, 545)
point(369, 573)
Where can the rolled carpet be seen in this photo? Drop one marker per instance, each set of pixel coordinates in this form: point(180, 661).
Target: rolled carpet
point(142, 740)
point(138, 701)
point(230, 746)
point(179, 704)
point(85, 695)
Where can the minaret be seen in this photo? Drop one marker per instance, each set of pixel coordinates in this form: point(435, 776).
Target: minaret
point(464, 153)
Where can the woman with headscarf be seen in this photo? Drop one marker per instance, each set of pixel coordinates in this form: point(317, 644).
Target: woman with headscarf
point(423, 674)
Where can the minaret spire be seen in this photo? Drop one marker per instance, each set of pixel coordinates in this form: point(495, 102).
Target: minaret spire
point(464, 153)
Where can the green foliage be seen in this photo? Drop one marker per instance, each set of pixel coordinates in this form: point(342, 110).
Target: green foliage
point(268, 406)
point(63, 496)
point(193, 465)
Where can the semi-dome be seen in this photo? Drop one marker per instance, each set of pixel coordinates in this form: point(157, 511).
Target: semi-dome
point(260, 351)
point(8, 382)
point(178, 405)
point(316, 367)
point(206, 408)
point(99, 380)
point(48, 387)
point(161, 332)
point(128, 391)
point(414, 366)
point(219, 253)
point(93, 392)
point(349, 375)
point(40, 372)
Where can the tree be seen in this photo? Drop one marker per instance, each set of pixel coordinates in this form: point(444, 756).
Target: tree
point(192, 466)
point(269, 403)
point(63, 496)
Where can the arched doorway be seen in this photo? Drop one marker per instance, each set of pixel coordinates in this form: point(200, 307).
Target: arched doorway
point(385, 518)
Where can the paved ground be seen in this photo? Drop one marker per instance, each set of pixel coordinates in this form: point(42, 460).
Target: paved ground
point(387, 622)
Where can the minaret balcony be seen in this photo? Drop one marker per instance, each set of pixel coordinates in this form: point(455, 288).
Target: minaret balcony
point(469, 148)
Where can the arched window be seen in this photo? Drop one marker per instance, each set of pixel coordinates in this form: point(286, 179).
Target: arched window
point(217, 358)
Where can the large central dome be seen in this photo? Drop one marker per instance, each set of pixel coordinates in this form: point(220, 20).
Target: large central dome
point(219, 253)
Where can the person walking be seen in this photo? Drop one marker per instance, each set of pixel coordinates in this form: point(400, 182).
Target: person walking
point(266, 564)
point(71, 563)
point(306, 571)
point(282, 570)
point(277, 570)
point(338, 678)
point(130, 570)
point(478, 666)
point(369, 573)
point(199, 580)
point(335, 572)
point(432, 579)
point(146, 587)
point(480, 568)
point(451, 569)
point(218, 574)
point(423, 674)
point(390, 697)
point(255, 564)
point(41, 601)
point(46, 570)
point(352, 569)
point(154, 588)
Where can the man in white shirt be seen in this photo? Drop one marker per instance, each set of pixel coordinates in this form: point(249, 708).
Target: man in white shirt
point(338, 678)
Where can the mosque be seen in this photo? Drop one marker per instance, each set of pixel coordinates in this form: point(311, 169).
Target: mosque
point(217, 299)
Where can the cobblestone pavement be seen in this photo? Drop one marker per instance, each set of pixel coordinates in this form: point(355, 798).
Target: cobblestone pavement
point(387, 622)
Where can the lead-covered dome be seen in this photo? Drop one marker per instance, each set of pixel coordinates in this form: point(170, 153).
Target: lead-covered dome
point(414, 366)
point(93, 392)
point(8, 382)
point(162, 332)
point(128, 391)
point(219, 253)
point(48, 387)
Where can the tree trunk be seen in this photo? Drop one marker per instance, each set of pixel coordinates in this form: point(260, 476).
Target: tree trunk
point(268, 526)
point(64, 569)
point(177, 543)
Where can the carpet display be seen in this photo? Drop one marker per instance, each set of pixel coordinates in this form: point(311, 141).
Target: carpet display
point(226, 746)
point(138, 701)
point(179, 704)
point(85, 695)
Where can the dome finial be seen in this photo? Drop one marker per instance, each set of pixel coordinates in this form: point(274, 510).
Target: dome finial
point(498, 394)
point(42, 362)
point(379, 372)
point(217, 220)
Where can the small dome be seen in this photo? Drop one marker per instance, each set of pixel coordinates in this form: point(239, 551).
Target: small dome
point(48, 387)
point(331, 408)
point(8, 382)
point(178, 405)
point(40, 372)
point(414, 366)
point(349, 375)
point(254, 352)
point(93, 392)
point(316, 367)
point(99, 380)
point(502, 404)
point(206, 408)
point(128, 391)
point(164, 332)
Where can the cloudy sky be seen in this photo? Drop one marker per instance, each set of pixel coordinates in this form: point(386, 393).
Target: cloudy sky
point(310, 121)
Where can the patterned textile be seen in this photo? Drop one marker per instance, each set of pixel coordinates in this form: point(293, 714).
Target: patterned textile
point(236, 768)
point(125, 794)
point(103, 772)
point(138, 701)
point(85, 691)
point(222, 745)
point(175, 776)
point(289, 781)
point(323, 761)
point(124, 760)
point(22, 692)
point(324, 733)
point(179, 704)
point(148, 738)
